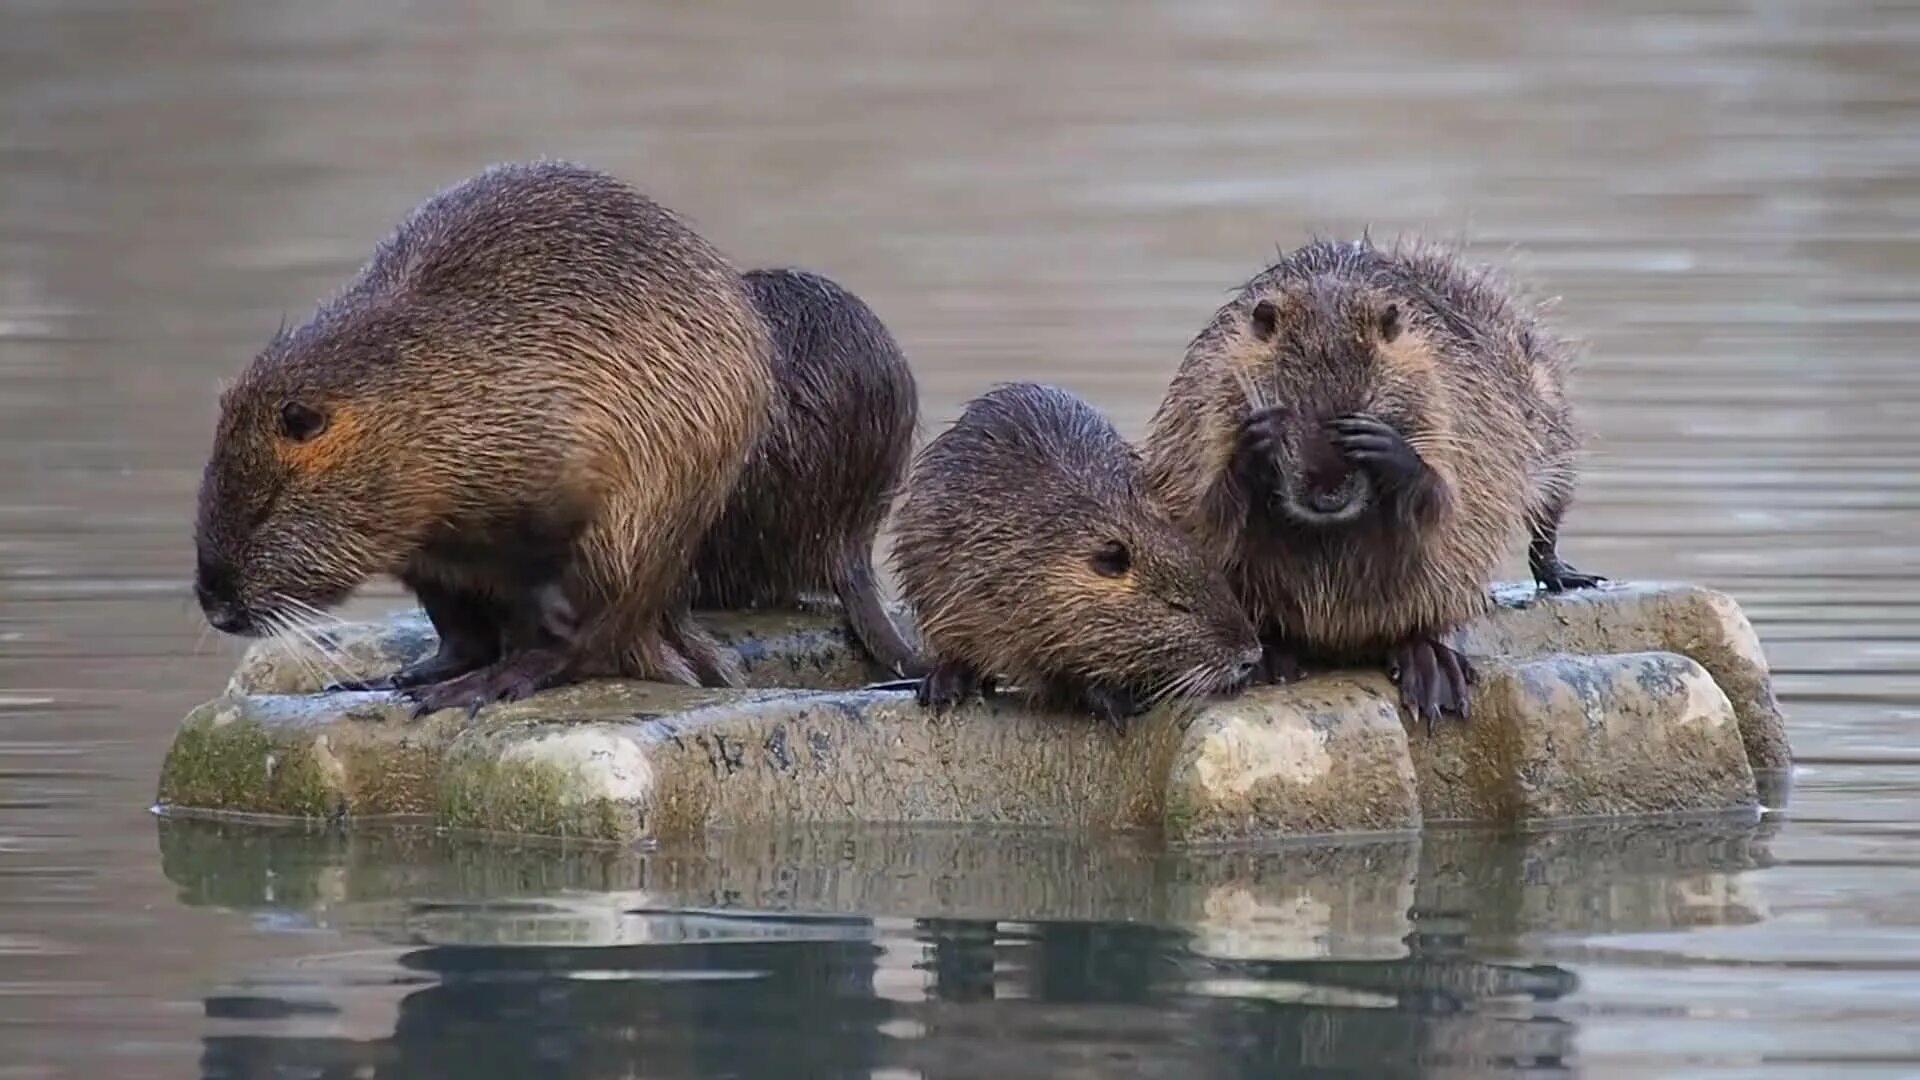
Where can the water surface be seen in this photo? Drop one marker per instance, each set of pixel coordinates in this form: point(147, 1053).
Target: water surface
point(1725, 194)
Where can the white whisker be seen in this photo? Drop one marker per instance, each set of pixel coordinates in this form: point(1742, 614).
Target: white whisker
point(278, 631)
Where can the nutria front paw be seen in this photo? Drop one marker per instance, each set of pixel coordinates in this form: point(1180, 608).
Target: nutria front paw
point(439, 667)
point(1113, 707)
point(1433, 679)
point(518, 676)
point(1254, 460)
point(1378, 447)
point(1279, 663)
point(947, 684)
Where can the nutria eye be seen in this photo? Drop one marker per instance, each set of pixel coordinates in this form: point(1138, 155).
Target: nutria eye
point(301, 422)
point(1112, 560)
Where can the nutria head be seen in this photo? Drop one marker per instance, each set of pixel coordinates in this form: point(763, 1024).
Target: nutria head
point(1029, 546)
point(1326, 348)
point(314, 483)
point(1122, 598)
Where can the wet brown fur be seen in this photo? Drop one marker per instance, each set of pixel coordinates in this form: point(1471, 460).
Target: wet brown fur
point(803, 516)
point(542, 383)
point(1473, 380)
point(1004, 515)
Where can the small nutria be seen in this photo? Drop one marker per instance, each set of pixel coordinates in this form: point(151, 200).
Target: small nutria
point(1357, 438)
point(804, 513)
point(529, 406)
point(1030, 551)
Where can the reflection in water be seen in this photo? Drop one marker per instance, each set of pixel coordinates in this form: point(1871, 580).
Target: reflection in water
point(1101, 959)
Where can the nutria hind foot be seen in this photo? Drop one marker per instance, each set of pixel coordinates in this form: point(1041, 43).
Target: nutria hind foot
point(948, 683)
point(711, 663)
point(1549, 570)
point(1433, 679)
point(1555, 576)
point(519, 675)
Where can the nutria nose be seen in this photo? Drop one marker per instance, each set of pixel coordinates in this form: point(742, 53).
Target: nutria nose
point(1330, 499)
point(213, 586)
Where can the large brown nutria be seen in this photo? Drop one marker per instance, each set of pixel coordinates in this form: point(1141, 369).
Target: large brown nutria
point(529, 406)
point(1357, 439)
point(804, 513)
point(1030, 551)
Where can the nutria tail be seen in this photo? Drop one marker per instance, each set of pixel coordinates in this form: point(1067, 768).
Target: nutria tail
point(859, 593)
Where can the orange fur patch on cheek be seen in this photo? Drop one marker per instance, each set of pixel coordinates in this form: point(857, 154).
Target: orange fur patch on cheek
point(338, 443)
point(1410, 354)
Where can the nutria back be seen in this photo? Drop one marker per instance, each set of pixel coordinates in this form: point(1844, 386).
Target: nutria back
point(1029, 550)
point(541, 379)
point(803, 517)
point(1445, 357)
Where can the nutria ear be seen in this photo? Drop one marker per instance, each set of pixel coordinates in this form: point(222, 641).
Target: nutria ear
point(1266, 319)
point(1389, 323)
point(1112, 559)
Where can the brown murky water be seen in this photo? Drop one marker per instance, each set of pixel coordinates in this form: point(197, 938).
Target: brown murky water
point(1726, 193)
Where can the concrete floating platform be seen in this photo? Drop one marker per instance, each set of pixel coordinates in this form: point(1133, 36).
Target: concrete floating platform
point(1627, 700)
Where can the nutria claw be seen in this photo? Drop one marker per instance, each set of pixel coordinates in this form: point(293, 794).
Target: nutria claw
point(1549, 570)
point(1433, 679)
point(1260, 433)
point(1377, 446)
point(1555, 576)
point(946, 685)
point(518, 676)
point(1558, 577)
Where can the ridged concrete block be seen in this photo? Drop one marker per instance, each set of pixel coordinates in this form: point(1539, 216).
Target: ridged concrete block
point(1700, 624)
point(1564, 727)
point(1586, 737)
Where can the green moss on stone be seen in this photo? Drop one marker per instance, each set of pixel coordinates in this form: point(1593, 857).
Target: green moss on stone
point(535, 798)
point(221, 760)
point(397, 777)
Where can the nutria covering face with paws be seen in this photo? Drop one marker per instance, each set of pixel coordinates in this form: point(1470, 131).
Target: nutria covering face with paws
point(1031, 553)
point(1357, 439)
point(529, 406)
